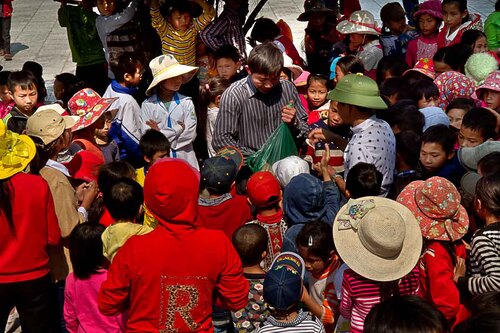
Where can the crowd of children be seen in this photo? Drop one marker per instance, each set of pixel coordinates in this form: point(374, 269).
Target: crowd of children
point(132, 203)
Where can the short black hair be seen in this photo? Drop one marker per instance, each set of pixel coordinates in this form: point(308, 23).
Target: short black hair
point(442, 135)
point(319, 78)
point(408, 314)
point(423, 88)
point(461, 103)
point(351, 64)
point(408, 147)
point(317, 237)
point(22, 79)
point(485, 322)
point(406, 117)
point(363, 179)
point(125, 64)
point(4, 77)
point(395, 64)
point(489, 164)
point(65, 78)
point(455, 56)
point(152, 142)
point(111, 172)
point(395, 85)
point(123, 199)
point(250, 241)
point(469, 37)
point(227, 51)
point(85, 249)
point(266, 59)
point(34, 68)
point(264, 30)
point(482, 121)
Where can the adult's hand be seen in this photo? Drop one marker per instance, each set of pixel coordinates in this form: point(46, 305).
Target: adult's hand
point(288, 113)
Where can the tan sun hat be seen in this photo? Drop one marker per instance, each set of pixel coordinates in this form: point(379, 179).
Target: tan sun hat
point(166, 67)
point(48, 125)
point(360, 22)
point(58, 108)
point(378, 238)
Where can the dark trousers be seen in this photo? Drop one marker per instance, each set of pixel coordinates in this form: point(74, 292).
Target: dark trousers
point(5, 34)
point(35, 304)
point(94, 76)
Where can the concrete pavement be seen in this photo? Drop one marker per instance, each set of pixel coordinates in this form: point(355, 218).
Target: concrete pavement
point(36, 35)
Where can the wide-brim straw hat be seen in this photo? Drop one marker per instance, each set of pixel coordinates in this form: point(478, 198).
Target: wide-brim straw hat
point(378, 238)
point(16, 152)
point(166, 67)
point(360, 22)
point(359, 90)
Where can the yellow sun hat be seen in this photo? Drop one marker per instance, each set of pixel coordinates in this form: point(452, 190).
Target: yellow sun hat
point(16, 152)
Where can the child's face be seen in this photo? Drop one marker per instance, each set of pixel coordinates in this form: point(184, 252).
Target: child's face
point(427, 24)
point(480, 46)
point(338, 74)
point(334, 118)
point(440, 67)
point(356, 40)
point(157, 156)
point(102, 133)
point(106, 7)
point(313, 264)
point(180, 21)
point(133, 80)
point(468, 137)
point(25, 99)
point(452, 16)
point(58, 89)
point(172, 84)
point(284, 76)
point(5, 95)
point(316, 93)
point(397, 27)
point(317, 20)
point(226, 67)
point(426, 102)
point(492, 99)
point(455, 116)
point(433, 157)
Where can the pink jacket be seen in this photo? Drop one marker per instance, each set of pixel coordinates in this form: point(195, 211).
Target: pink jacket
point(80, 306)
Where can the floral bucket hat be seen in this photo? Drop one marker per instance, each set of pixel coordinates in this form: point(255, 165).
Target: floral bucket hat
point(89, 106)
point(424, 66)
point(436, 205)
point(452, 85)
point(492, 82)
point(16, 152)
point(360, 22)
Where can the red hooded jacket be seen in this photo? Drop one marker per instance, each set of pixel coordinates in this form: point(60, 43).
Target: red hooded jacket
point(168, 279)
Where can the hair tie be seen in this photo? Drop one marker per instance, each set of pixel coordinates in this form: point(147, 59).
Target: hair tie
point(207, 86)
point(310, 241)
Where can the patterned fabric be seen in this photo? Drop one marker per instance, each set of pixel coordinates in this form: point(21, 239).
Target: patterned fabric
point(304, 322)
point(452, 85)
point(255, 312)
point(492, 82)
point(436, 205)
point(89, 106)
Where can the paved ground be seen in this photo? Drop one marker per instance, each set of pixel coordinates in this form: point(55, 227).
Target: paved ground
point(37, 36)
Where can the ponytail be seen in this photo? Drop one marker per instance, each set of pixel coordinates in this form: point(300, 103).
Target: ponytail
point(208, 93)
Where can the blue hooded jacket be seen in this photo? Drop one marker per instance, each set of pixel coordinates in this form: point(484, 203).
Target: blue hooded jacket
point(307, 199)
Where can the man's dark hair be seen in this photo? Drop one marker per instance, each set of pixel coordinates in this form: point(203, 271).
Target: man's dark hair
point(22, 79)
point(482, 121)
point(152, 142)
point(442, 135)
point(363, 179)
point(123, 199)
point(227, 51)
point(317, 237)
point(266, 59)
point(126, 64)
point(250, 241)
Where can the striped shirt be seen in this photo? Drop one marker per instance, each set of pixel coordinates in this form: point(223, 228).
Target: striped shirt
point(484, 261)
point(182, 45)
point(359, 295)
point(304, 322)
point(247, 118)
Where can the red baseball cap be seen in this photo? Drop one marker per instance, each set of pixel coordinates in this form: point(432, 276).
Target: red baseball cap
point(263, 189)
point(85, 166)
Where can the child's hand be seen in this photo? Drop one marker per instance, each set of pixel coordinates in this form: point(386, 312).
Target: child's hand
point(182, 125)
point(288, 113)
point(153, 124)
point(315, 136)
point(459, 269)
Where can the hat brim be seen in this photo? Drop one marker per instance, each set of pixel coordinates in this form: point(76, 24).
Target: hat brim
point(426, 72)
point(187, 73)
point(233, 154)
point(70, 121)
point(97, 111)
point(469, 181)
point(410, 202)
point(306, 16)
point(9, 171)
point(347, 27)
point(371, 266)
point(347, 97)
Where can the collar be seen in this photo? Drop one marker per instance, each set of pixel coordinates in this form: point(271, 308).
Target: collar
point(406, 173)
point(175, 98)
point(117, 87)
point(251, 87)
point(58, 166)
point(271, 219)
point(301, 316)
point(214, 201)
point(358, 128)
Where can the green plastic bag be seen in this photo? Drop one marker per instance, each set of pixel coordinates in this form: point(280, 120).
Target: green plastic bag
point(279, 145)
